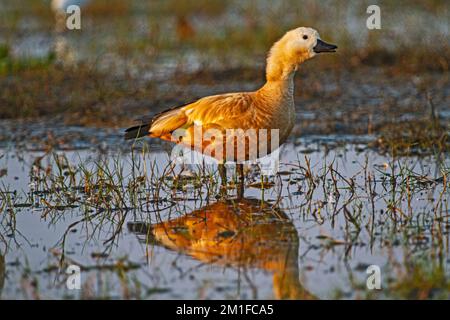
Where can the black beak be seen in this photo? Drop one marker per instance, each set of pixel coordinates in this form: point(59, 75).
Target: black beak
point(322, 46)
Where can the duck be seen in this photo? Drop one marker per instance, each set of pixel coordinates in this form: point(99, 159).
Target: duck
point(228, 118)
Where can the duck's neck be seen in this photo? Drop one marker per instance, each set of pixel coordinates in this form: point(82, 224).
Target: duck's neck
point(280, 73)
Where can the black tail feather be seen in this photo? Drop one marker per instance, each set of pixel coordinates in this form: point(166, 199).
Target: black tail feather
point(137, 132)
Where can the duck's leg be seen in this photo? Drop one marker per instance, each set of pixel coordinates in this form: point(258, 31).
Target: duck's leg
point(223, 176)
point(240, 176)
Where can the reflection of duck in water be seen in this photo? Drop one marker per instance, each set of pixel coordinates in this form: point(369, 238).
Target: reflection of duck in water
point(2, 273)
point(244, 233)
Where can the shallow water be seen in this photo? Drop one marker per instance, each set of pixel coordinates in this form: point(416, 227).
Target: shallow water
point(301, 238)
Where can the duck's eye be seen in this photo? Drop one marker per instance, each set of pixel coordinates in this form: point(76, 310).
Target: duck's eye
point(305, 37)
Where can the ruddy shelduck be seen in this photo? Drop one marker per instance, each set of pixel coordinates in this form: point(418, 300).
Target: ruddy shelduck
point(270, 108)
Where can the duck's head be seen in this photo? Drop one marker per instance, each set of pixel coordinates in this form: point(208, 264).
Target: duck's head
point(295, 47)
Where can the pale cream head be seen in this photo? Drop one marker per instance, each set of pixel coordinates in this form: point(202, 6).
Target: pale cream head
point(295, 47)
